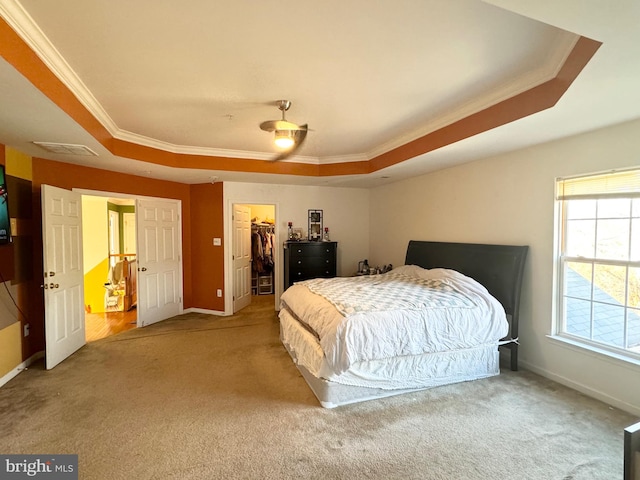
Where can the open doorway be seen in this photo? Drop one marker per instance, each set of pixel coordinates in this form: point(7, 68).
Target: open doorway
point(110, 266)
point(159, 253)
point(254, 245)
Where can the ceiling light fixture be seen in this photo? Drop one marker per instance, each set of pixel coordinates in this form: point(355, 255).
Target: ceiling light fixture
point(284, 139)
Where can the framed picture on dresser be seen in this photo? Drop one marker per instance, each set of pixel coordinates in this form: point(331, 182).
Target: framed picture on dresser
point(315, 225)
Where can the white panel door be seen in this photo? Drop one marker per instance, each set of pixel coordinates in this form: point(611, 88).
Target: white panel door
point(241, 256)
point(129, 224)
point(159, 260)
point(114, 237)
point(63, 274)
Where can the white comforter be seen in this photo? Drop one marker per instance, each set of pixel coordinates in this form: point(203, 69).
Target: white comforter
point(374, 335)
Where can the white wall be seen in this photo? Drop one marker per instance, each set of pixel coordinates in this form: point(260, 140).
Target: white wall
point(510, 200)
point(345, 212)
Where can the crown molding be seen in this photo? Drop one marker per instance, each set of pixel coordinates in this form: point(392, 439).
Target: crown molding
point(24, 25)
point(548, 71)
point(356, 157)
point(144, 141)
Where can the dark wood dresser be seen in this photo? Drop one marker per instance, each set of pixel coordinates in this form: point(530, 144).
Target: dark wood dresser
point(305, 260)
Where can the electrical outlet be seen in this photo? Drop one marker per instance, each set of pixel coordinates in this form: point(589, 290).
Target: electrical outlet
point(26, 330)
point(219, 292)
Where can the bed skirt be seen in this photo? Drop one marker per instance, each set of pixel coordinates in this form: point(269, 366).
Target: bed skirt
point(381, 378)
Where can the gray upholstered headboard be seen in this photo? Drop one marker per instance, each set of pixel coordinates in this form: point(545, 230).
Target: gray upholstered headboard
point(499, 268)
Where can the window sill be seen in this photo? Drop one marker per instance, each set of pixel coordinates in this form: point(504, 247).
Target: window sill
point(599, 352)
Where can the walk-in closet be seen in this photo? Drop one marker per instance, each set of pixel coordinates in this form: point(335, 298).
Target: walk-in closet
point(263, 249)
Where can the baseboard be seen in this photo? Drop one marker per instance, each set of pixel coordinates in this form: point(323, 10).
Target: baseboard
point(204, 310)
point(598, 395)
point(23, 366)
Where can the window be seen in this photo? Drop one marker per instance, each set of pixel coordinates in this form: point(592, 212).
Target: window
point(599, 253)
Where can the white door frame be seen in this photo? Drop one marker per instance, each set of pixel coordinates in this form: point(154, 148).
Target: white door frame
point(127, 232)
point(99, 193)
point(227, 218)
point(114, 233)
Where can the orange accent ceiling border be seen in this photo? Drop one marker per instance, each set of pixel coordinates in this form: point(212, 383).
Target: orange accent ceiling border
point(15, 51)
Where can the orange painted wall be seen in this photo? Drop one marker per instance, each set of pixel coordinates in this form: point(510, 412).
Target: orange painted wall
point(16, 259)
point(21, 208)
point(207, 270)
point(73, 176)
point(202, 219)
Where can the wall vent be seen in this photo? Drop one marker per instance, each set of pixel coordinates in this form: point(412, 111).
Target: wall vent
point(66, 148)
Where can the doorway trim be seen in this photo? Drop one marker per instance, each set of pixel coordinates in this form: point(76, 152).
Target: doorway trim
point(113, 230)
point(99, 193)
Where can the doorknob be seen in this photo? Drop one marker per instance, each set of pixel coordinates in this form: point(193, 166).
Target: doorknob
point(53, 285)
point(144, 269)
point(52, 274)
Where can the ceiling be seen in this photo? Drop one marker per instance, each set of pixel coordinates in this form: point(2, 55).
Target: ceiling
point(367, 77)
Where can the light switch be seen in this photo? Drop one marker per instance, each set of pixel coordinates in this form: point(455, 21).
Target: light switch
point(217, 242)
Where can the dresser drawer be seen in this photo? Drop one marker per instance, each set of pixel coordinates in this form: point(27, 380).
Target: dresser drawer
point(318, 263)
point(305, 273)
point(311, 250)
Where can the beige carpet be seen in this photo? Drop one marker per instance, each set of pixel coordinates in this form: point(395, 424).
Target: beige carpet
point(202, 397)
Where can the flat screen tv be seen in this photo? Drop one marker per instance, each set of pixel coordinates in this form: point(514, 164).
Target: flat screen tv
point(5, 224)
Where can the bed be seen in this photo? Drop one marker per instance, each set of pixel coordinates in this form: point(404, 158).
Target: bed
point(439, 319)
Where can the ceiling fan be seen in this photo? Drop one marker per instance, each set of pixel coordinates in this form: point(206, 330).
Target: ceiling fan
point(289, 137)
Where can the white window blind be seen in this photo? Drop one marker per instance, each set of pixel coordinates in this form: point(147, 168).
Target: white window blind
point(624, 183)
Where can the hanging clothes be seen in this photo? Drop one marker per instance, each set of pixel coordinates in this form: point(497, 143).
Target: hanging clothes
point(262, 242)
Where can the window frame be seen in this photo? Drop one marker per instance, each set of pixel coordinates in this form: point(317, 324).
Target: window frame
point(559, 324)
